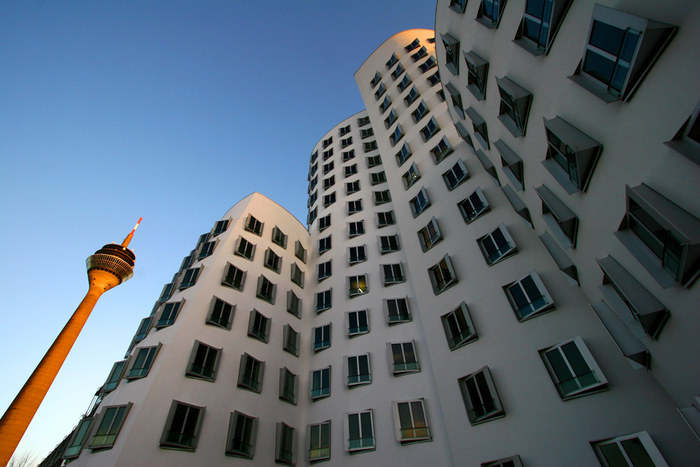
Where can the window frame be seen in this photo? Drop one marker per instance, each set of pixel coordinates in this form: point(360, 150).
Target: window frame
point(366, 443)
point(318, 446)
point(249, 432)
point(452, 178)
point(430, 235)
point(353, 370)
point(358, 316)
point(400, 354)
point(208, 369)
point(401, 310)
point(287, 379)
point(442, 275)
point(484, 389)
point(417, 433)
point(492, 240)
point(225, 307)
point(459, 327)
point(547, 305)
point(251, 382)
point(322, 390)
point(146, 362)
point(642, 437)
point(324, 343)
point(259, 326)
point(254, 226)
point(570, 363)
point(357, 281)
point(113, 424)
point(166, 443)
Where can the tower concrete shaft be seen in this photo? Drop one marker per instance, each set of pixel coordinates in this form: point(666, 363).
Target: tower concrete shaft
point(107, 268)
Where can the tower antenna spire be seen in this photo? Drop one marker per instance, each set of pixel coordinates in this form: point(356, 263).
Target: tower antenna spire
point(128, 238)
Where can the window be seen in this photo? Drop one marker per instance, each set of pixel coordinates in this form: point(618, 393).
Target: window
point(383, 107)
point(490, 12)
point(220, 227)
point(319, 444)
point(480, 397)
point(381, 197)
point(459, 329)
point(143, 362)
point(324, 244)
point(242, 431)
point(167, 292)
point(573, 369)
point(385, 218)
point(374, 161)
point(290, 340)
point(312, 199)
point(109, 426)
point(357, 285)
point(182, 426)
point(354, 206)
point(349, 171)
point(314, 156)
point(513, 461)
point(356, 228)
point(320, 383)
point(357, 370)
point(396, 135)
point(392, 61)
point(479, 125)
point(661, 235)
point(169, 314)
point(403, 154)
point(328, 167)
point(250, 373)
point(686, 141)
point(540, 23)
point(312, 184)
point(371, 146)
point(393, 274)
point(327, 154)
point(389, 244)
point(412, 96)
point(403, 358)
point(189, 278)
point(628, 450)
point(207, 250)
point(422, 52)
point(512, 165)
point(78, 438)
point(324, 222)
point(434, 79)
point(451, 53)
point(362, 121)
point(458, 5)
point(297, 275)
point(245, 249)
point(397, 72)
point(357, 254)
point(427, 65)
point(143, 329)
point(456, 175)
point(266, 290)
point(404, 83)
point(352, 187)
point(204, 362)
point(366, 133)
point(497, 245)
point(376, 79)
point(411, 421)
point(221, 313)
point(528, 296)
point(254, 225)
point(358, 323)
point(477, 70)
point(323, 300)
point(258, 326)
point(348, 155)
point(327, 142)
point(420, 112)
point(344, 143)
point(442, 275)
point(391, 118)
point(430, 235)
point(115, 375)
point(620, 50)
point(344, 130)
point(473, 206)
point(411, 176)
point(380, 91)
point(359, 431)
point(284, 444)
point(412, 45)
point(429, 130)
point(272, 261)
point(288, 386)
point(377, 178)
point(560, 219)
point(419, 203)
point(300, 251)
point(515, 106)
point(397, 310)
point(324, 271)
point(293, 304)
point(328, 182)
point(322, 337)
point(278, 237)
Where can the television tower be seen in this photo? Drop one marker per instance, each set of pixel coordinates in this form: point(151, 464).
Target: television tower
point(108, 267)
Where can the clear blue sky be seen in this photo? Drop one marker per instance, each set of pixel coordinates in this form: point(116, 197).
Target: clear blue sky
point(170, 110)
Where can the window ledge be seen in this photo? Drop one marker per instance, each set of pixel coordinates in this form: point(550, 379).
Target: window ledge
point(647, 259)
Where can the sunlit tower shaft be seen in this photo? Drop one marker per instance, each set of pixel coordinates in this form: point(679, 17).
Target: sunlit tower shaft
point(108, 267)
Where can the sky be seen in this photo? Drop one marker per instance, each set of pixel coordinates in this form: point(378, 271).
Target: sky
point(170, 110)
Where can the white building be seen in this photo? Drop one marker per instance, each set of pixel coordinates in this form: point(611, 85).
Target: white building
point(458, 299)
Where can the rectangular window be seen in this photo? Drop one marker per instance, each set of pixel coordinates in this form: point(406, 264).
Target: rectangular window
point(456, 98)
point(362, 121)
point(272, 260)
point(352, 187)
point(322, 337)
point(366, 133)
point(300, 251)
point(169, 314)
point(380, 91)
point(245, 249)
point(297, 275)
point(490, 12)
point(391, 118)
point(324, 271)
point(513, 461)
point(221, 313)
point(327, 142)
point(385, 218)
point(397, 310)
point(434, 79)
point(143, 362)
point(220, 227)
point(320, 383)
point(344, 130)
point(182, 427)
point(358, 371)
point(254, 225)
point(328, 199)
point(389, 244)
point(528, 296)
point(497, 245)
point(250, 373)
point(293, 304)
point(403, 154)
point(278, 237)
point(354, 206)
point(204, 362)
point(288, 386)
point(393, 274)
point(359, 431)
point(396, 135)
point(411, 176)
point(376, 79)
point(357, 254)
point(357, 285)
point(456, 175)
point(109, 426)
point(324, 244)
point(266, 290)
point(573, 369)
point(324, 222)
point(442, 275)
point(634, 449)
point(430, 235)
point(377, 178)
point(404, 83)
point(381, 197)
point(327, 154)
point(420, 112)
point(358, 323)
point(242, 431)
point(429, 64)
point(347, 155)
point(480, 397)
point(144, 328)
point(356, 228)
point(397, 72)
point(451, 53)
point(284, 444)
point(422, 52)
point(558, 217)
point(374, 161)
point(328, 167)
point(479, 126)
point(515, 106)
point(323, 301)
point(350, 170)
point(419, 203)
point(412, 96)
point(411, 421)
point(459, 329)
point(78, 438)
point(473, 206)
point(290, 340)
point(477, 69)
point(328, 182)
point(344, 143)
point(233, 277)
point(206, 250)
point(412, 45)
point(319, 444)
point(392, 61)
point(258, 326)
point(383, 107)
point(403, 358)
point(189, 278)
point(114, 376)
